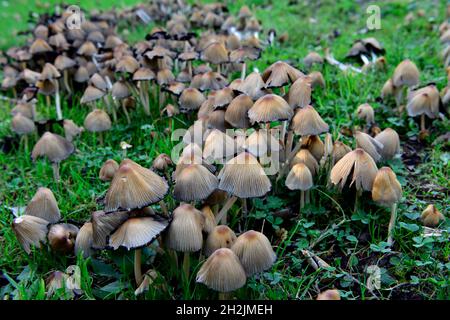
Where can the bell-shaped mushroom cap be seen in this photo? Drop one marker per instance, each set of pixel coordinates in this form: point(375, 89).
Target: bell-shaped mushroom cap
point(358, 48)
point(311, 59)
point(143, 74)
point(387, 90)
point(43, 205)
point(211, 81)
point(364, 170)
point(317, 79)
point(369, 145)
point(194, 182)
point(261, 143)
point(112, 41)
point(254, 251)
point(306, 157)
point(241, 54)
point(253, 86)
point(339, 151)
point(386, 189)
point(431, 216)
point(280, 74)
point(236, 113)
point(215, 53)
point(133, 187)
point(40, 46)
point(391, 143)
point(71, 130)
point(23, 108)
point(223, 97)
point(108, 170)
point(81, 75)
point(331, 294)
point(406, 74)
point(216, 120)
point(307, 121)
point(84, 240)
point(316, 146)
point(52, 146)
point(218, 146)
point(365, 112)
point(98, 82)
point(30, 230)
point(127, 64)
point(425, 100)
point(299, 178)
point(62, 236)
point(22, 125)
point(191, 99)
point(222, 271)
point(220, 237)
point(103, 224)
point(87, 49)
point(63, 62)
point(97, 121)
point(270, 108)
point(244, 177)
point(162, 162)
point(137, 232)
point(49, 72)
point(300, 92)
point(185, 231)
point(91, 94)
point(175, 88)
point(209, 218)
point(164, 77)
point(120, 90)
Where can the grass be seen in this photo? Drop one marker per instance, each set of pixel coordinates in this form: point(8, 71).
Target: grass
point(414, 268)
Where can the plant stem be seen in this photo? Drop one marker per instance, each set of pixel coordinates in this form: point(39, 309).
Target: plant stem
point(186, 265)
point(55, 167)
point(392, 223)
point(422, 122)
point(302, 201)
point(357, 196)
point(137, 266)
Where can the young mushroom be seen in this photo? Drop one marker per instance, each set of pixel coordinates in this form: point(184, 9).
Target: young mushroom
point(98, 121)
point(43, 205)
point(431, 216)
point(220, 237)
point(108, 170)
point(30, 230)
point(61, 237)
point(300, 178)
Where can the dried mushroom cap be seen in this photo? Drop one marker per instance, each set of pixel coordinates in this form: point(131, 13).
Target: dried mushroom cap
point(269, 108)
point(254, 251)
point(103, 224)
point(406, 74)
point(386, 189)
point(30, 230)
point(331, 294)
point(244, 177)
point(62, 236)
point(194, 182)
point(108, 170)
point(134, 187)
point(431, 216)
point(22, 125)
point(137, 232)
point(220, 237)
point(91, 94)
point(43, 205)
point(222, 271)
point(84, 240)
point(185, 231)
point(280, 74)
point(307, 121)
point(97, 121)
point(363, 166)
point(236, 113)
point(391, 143)
point(299, 178)
point(369, 145)
point(52, 146)
point(365, 112)
point(425, 100)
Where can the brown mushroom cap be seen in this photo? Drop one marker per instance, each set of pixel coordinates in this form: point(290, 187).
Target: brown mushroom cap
point(364, 170)
point(317, 79)
point(316, 146)
point(391, 143)
point(103, 224)
point(307, 121)
point(120, 90)
point(91, 94)
point(339, 151)
point(386, 189)
point(191, 99)
point(185, 231)
point(253, 86)
point(97, 121)
point(162, 162)
point(30, 230)
point(270, 107)
point(236, 113)
point(425, 100)
point(52, 146)
point(311, 59)
point(223, 97)
point(108, 170)
point(300, 92)
point(137, 232)
point(220, 237)
point(254, 251)
point(431, 216)
point(63, 62)
point(222, 271)
point(331, 294)
point(62, 236)
point(372, 146)
point(194, 182)
point(215, 53)
point(406, 74)
point(299, 178)
point(40, 46)
point(280, 74)
point(306, 157)
point(244, 177)
point(22, 125)
point(84, 240)
point(43, 205)
point(209, 218)
point(365, 112)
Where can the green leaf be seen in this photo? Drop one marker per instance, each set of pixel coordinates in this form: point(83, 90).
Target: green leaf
point(409, 226)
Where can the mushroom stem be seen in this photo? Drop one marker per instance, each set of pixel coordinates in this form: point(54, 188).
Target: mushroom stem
point(222, 216)
point(59, 115)
point(244, 207)
point(55, 167)
point(288, 160)
point(124, 108)
point(218, 68)
point(137, 266)
point(244, 67)
point(164, 209)
point(289, 142)
point(422, 122)
point(25, 143)
point(392, 223)
point(302, 200)
point(66, 81)
point(100, 138)
point(357, 196)
point(190, 68)
point(223, 296)
point(186, 265)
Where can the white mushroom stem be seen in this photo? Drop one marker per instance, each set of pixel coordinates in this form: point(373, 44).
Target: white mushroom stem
point(244, 67)
point(357, 196)
point(110, 107)
point(365, 59)
point(302, 200)
point(392, 223)
point(289, 142)
point(137, 266)
point(331, 60)
point(59, 115)
point(66, 81)
point(222, 216)
point(186, 265)
point(288, 160)
point(124, 108)
point(100, 138)
point(55, 167)
point(422, 122)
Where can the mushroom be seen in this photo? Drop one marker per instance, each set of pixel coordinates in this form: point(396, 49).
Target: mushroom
point(268, 108)
point(365, 112)
point(391, 143)
point(311, 59)
point(254, 251)
point(23, 126)
point(387, 191)
point(431, 216)
point(372, 146)
point(185, 233)
point(84, 240)
point(220, 237)
point(55, 148)
point(215, 53)
point(108, 170)
point(280, 74)
point(43, 205)
point(330, 294)
point(50, 76)
point(236, 113)
point(61, 237)
point(222, 272)
point(194, 183)
point(143, 76)
point(30, 230)
point(300, 178)
point(405, 74)
point(424, 101)
point(71, 130)
point(98, 121)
